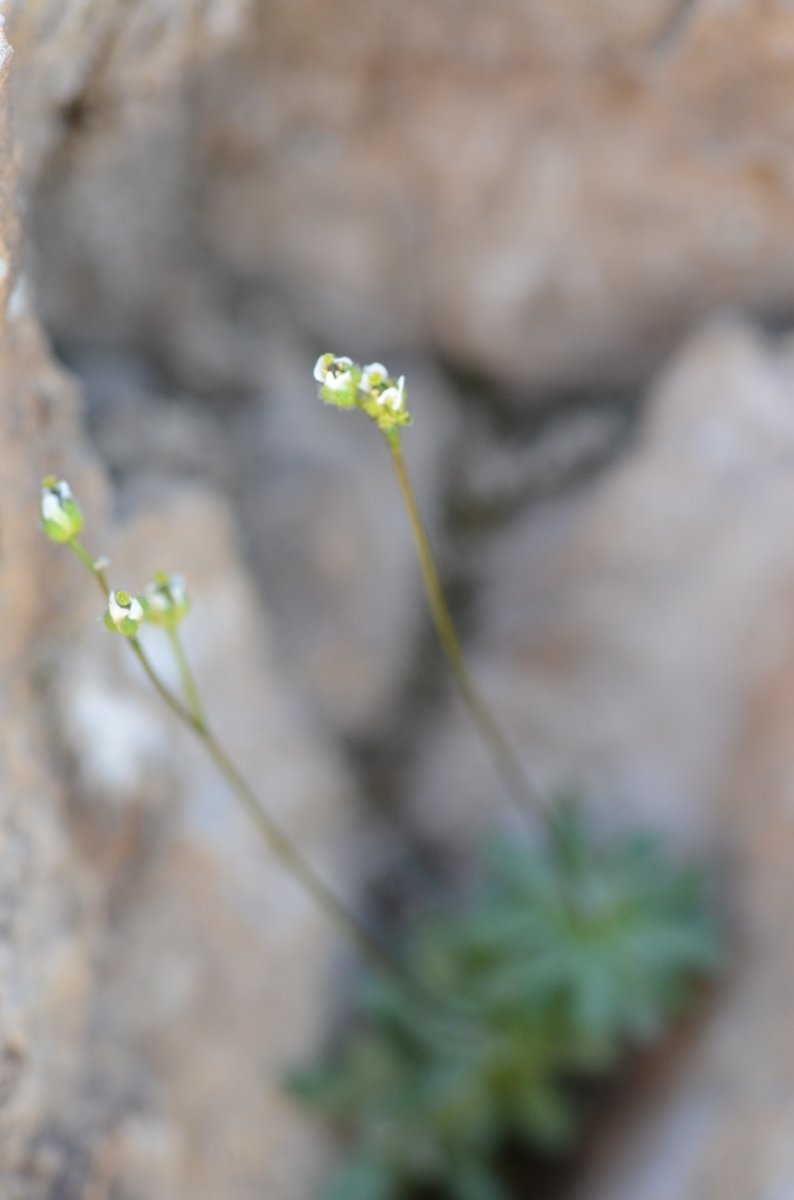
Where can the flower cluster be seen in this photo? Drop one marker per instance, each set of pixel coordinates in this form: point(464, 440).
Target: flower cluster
point(345, 384)
point(165, 601)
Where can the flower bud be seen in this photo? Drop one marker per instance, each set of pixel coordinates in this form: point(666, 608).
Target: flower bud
point(385, 404)
point(61, 517)
point(124, 613)
point(167, 600)
point(393, 397)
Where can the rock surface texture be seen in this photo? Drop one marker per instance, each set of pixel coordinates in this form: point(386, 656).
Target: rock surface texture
point(46, 927)
point(216, 967)
point(158, 971)
point(545, 193)
point(550, 192)
point(638, 641)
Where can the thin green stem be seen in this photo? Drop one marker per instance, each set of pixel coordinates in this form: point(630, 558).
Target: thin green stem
point(278, 842)
point(167, 696)
point(504, 758)
point(83, 555)
point(189, 685)
point(294, 862)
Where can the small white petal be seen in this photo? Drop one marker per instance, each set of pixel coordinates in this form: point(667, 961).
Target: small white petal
point(116, 611)
point(51, 509)
point(394, 397)
point(176, 586)
point(399, 403)
point(322, 366)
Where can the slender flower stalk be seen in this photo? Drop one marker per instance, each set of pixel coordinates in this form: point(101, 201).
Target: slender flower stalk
point(344, 384)
point(87, 561)
point(97, 569)
point(189, 686)
point(123, 616)
point(502, 754)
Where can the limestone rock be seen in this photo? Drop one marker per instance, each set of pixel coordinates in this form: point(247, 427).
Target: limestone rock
point(718, 1125)
point(637, 640)
point(158, 972)
point(547, 192)
point(215, 964)
point(47, 924)
point(615, 620)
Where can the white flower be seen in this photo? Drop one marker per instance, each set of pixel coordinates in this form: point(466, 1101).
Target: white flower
point(167, 599)
point(124, 612)
point(159, 604)
point(334, 373)
point(373, 376)
point(394, 397)
point(60, 514)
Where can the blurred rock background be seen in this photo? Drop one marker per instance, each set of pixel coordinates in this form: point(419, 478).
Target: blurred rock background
point(571, 225)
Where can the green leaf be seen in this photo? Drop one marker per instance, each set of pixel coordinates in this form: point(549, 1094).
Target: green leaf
point(568, 952)
point(477, 1182)
point(361, 1179)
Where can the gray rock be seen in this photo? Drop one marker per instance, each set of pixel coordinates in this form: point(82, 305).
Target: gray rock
point(548, 192)
point(614, 619)
point(320, 514)
point(637, 640)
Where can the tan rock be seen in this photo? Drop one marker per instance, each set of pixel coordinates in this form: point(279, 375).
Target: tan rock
point(46, 929)
point(617, 620)
point(638, 642)
point(719, 1126)
point(216, 964)
point(158, 972)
